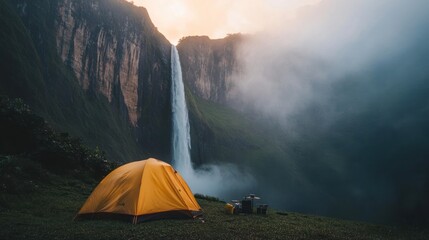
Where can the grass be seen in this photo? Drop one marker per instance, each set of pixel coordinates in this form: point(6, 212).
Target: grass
point(225, 135)
point(48, 213)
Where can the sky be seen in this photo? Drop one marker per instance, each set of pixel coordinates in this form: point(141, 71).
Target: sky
point(217, 18)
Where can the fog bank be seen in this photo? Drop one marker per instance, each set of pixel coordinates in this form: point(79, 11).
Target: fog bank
point(348, 83)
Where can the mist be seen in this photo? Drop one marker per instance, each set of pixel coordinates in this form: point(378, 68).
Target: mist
point(224, 181)
point(347, 82)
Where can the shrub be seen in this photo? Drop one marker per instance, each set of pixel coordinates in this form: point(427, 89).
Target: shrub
point(206, 197)
point(19, 174)
point(28, 135)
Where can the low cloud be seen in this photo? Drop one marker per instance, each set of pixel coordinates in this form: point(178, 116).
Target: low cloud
point(286, 64)
point(223, 181)
point(348, 83)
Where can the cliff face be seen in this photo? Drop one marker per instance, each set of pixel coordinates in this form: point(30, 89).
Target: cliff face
point(116, 55)
point(209, 66)
point(115, 50)
point(106, 45)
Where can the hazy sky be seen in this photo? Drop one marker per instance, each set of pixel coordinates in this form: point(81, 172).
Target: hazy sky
point(216, 18)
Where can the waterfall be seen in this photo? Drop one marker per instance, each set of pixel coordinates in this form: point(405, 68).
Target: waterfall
point(181, 139)
point(215, 180)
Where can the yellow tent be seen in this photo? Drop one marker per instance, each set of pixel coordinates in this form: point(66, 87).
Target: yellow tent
point(142, 190)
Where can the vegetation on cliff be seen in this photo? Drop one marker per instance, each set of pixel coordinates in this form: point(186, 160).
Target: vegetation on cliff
point(31, 151)
point(33, 71)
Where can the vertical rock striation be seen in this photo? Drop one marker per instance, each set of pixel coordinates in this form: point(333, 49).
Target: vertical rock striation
point(102, 42)
point(209, 66)
point(209, 69)
point(115, 50)
point(117, 56)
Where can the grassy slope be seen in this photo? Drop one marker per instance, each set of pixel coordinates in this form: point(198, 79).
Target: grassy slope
point(234, 137)
point(48, 213)
point(47, 200)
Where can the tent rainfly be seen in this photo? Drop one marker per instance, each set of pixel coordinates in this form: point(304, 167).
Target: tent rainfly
point(140, 191)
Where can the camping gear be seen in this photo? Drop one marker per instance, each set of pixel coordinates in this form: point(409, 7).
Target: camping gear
point(246, 206)
point(247, 203)
point(237, 206)
point(233, 208)
point(262, 209)
point(229, 208)
point(140, 191)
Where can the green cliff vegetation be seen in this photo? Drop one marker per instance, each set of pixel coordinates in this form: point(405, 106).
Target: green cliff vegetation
point(221, 134)
point(31, 152)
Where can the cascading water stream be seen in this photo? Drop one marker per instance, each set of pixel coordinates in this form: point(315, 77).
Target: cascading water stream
point(181, 139)
point(214, 180)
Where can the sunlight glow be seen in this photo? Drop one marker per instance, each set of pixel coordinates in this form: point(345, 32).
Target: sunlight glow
point(217, 18)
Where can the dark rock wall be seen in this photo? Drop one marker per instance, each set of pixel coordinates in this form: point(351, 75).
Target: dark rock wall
point(116, 54)
point(209, 66)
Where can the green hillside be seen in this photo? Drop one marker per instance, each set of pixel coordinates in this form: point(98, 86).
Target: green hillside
point(45, 177)
point(222, 134)
point(48, 213)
